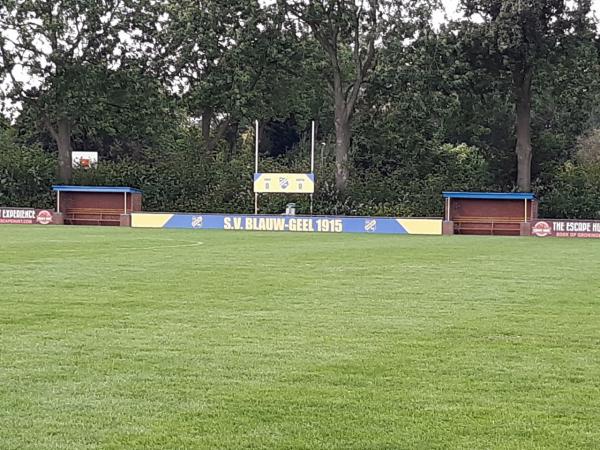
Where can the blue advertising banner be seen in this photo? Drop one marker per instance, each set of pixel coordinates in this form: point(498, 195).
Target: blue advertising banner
point(318, 224)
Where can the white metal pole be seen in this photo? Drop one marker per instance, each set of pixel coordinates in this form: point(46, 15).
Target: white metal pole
point(256, 166)
point(125, 203)
point(312, 160)
point(57, 201)
point(312, 149)
point(256, 149)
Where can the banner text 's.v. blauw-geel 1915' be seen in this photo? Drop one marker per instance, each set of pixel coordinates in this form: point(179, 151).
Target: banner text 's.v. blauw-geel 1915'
point(316, 224)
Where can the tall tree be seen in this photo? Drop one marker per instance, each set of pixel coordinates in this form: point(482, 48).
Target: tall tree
point(57, 58)
point(515, 37)
point(220, 56)
point(347, 32)
point(350, 34)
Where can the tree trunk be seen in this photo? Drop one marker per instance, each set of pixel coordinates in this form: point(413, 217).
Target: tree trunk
point(206, 119)
point(212, 142)
point(231, 138)
point(64, 151)
point(62, 137)
point(343, 134)
point(522, 90)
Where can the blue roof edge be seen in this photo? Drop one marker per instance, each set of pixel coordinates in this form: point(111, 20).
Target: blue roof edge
point(110, 189)
point(491, 195)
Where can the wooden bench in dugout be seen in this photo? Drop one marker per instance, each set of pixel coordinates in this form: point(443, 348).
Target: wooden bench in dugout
point(93, 216)
point(487, 224)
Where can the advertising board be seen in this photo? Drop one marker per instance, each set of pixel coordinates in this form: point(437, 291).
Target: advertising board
point(566, 228)
point(311, 224)
point(25, 216)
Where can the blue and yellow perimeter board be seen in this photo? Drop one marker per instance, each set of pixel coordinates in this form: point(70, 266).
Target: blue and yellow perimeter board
point(284, 183)
point(316, 224)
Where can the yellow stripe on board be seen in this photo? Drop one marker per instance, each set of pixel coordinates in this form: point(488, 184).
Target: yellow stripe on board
point(421, 226)
point(149, 220)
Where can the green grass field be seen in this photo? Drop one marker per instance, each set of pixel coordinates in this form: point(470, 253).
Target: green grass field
point(124, 338)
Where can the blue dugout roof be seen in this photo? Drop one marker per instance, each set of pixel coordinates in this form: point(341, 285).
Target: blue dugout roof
point(491, 195)
point(110, 189)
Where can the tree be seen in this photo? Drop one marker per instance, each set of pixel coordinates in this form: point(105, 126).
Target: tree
point(515, 37)
point(217, 56)
point(350, 33)
point(58, 58)
point(347, 32)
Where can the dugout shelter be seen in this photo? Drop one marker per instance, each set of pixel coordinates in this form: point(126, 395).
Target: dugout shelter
point(97, 205)
point(489, 213)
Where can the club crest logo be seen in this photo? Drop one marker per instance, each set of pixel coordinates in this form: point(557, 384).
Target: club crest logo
point(542, 229)
point(197, 221)
point(284, 183)
point(44, 217)
point(370, 225)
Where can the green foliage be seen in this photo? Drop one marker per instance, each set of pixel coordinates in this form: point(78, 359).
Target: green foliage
point(63, 47)
point(516, 38)
point(410, 190)
point(588, 148)
point(26, 174)
point(574, 193)
point(176, 178)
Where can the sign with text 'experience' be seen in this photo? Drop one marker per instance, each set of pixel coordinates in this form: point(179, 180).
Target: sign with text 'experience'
point(25, 216)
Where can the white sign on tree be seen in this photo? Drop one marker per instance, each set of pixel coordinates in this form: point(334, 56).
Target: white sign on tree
point(85, 160)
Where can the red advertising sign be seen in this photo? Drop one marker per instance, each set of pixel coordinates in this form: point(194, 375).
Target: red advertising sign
point(27, 216)
point(566, 228)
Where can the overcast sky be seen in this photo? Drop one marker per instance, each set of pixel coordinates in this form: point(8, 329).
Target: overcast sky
point(451, 5)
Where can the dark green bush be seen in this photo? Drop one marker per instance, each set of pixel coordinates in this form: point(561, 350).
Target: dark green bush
point(26, 175)
point(180, 177)
point(573, 193)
